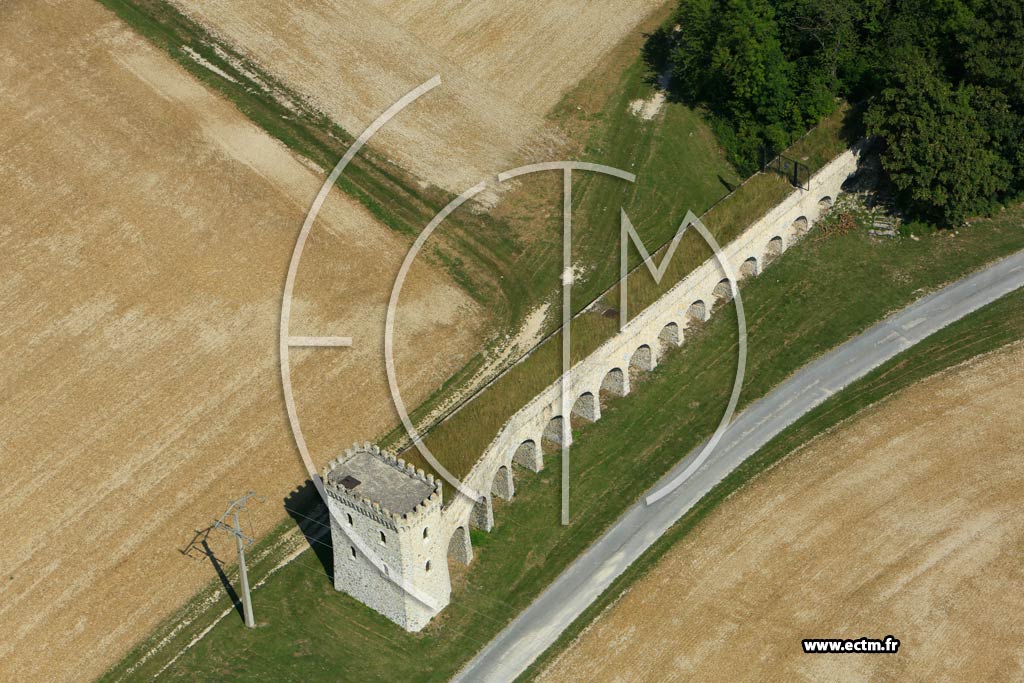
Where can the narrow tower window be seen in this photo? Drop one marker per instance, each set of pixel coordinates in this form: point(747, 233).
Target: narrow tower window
point(383, 539)
point(349, 519)
point(425, 534)
point(353, 548)
point(428, 565)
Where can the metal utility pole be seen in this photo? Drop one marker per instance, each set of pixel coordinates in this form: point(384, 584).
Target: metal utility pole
point(235, 529)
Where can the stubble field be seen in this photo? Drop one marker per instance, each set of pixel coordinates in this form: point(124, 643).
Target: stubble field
point(904, 521)
point(146, 228)
point(504, 66)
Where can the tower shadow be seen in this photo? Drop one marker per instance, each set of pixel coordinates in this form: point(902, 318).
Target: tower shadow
point(311, 516)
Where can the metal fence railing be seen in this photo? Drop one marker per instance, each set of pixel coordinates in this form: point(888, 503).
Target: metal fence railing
point(798, 174)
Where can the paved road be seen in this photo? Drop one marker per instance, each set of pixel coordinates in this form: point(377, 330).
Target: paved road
point(533, 631)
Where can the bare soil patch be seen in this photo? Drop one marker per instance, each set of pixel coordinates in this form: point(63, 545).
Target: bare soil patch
point(504, 66)
point(146, 228)
point(905, 521)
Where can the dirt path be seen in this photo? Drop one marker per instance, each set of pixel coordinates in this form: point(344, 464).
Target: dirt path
point(145, 232)
point(503, 65)
point(904, 521)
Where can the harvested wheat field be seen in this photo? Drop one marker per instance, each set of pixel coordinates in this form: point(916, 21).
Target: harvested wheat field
point(146, 229)
point(905, 521)
point(503, 67)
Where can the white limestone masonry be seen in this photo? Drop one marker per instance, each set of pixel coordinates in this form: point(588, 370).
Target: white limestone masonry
point(639, 345)
point(409, 537)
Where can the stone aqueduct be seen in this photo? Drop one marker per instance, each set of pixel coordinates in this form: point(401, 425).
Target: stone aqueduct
point(638, 347)
point(383, 503)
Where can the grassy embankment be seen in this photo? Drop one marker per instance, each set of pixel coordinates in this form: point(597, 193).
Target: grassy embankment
point(475, 252)
point(459, 441)
point(817, 295)
point(509, 259)
point(988, 329)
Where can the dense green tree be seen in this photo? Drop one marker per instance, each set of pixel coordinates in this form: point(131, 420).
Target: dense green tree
point(753, 76)
point(990, 39)
point(729, 57)
point(938, 153)
point(827, 36)
point(990, 43)
point(690, 60)
point(944, 80)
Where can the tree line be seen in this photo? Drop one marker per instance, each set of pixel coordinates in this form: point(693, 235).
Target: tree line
point(942, 82)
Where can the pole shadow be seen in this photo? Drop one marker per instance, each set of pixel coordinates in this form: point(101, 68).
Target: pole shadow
point(200, 542)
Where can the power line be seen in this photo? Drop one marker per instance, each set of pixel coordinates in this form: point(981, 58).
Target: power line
point(315, 521)
point(317, 540)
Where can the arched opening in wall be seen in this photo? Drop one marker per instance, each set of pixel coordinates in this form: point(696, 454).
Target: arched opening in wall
point(668, 338)
point(696, 313)
point(800, 226)
point(824, 204)
point(553, 431)
point(528, 455)
point(460, 548)
point(482, 516)
point(774, 249)
point(722, 291)
point(613, 385)
point(640, 363)
point(749, 268)
point(502, 486)
point(585, 410)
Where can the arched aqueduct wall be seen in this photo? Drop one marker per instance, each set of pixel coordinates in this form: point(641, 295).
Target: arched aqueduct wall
point(642, 342)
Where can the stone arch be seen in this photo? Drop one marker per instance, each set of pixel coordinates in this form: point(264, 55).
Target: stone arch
point(697, 312)
point(587, 407)
point(824, 204)
point(775, 248)
point(800, 226)
point(501, 485)
point(460, 548)
point(482, 516)
point(553, 431)
point(749, 268)
point(642, 359)
point(615, 383)
point(528, 455)
point(669, 335)
point(723, 290)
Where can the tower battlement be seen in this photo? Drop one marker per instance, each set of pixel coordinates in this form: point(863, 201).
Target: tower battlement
point(394, 510)
point(379, 485)
point(403, 523)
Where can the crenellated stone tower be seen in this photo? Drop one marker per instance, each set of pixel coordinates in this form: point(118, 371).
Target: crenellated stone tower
point(386, 529)
point(382, 505)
